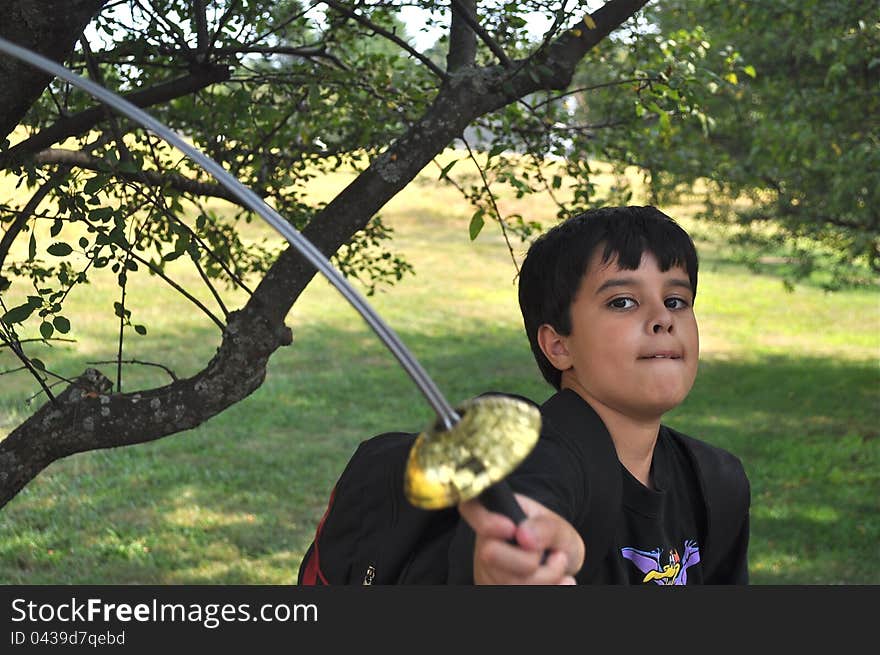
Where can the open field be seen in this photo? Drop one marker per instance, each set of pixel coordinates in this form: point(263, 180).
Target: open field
point(788, 381)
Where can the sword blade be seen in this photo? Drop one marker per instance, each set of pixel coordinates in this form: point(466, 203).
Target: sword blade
point(252, 201)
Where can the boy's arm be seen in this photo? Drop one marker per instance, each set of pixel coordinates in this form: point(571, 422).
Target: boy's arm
point(497, 561)
point(734, 569)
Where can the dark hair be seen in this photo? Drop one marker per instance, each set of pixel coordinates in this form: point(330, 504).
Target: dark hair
point(555, 264)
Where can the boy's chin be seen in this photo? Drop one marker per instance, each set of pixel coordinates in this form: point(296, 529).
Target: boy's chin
point(655, 408)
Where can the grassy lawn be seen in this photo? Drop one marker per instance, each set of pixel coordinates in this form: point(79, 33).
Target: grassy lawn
point(788, 381)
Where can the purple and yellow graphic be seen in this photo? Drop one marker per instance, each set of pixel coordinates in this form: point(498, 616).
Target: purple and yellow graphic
point(664, 568)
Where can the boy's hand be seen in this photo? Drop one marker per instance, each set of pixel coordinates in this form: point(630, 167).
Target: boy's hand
point(497, 562)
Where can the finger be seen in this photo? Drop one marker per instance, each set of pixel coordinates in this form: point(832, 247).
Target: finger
point(504, 561)
point(550, 573)
point(549, 531)
point(485, 523)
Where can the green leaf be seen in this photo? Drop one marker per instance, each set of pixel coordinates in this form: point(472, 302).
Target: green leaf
point(120, 311)
point(18, 314)
point(750, 71)
point(477, 223)
point(59, 249)
point(118, 237)
point(665, 124)
point(38, 364)
point(95, 184)
point(61, 324)
point(83, 242)
point(101, 214)
point(140, 329)
point(129, 167)
point(445, 171)
point(32, 247)
point(56, 228)
point(46, 329)
point(496, 150)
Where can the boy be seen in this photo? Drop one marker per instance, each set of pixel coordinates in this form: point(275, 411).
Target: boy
point(612, 495)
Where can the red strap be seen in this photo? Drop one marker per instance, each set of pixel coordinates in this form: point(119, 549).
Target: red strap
point(313, 568)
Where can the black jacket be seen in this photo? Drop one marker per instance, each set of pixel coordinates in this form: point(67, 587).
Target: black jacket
point(574, 470)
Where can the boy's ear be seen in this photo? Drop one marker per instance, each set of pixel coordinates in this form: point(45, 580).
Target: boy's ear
point(554, 347)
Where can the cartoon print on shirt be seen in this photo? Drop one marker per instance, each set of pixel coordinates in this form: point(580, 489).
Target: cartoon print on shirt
point(672, 571)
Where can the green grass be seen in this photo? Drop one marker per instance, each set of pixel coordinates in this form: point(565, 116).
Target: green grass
point(788, 381)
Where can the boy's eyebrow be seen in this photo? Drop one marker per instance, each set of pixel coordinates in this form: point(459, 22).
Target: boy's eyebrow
point(631, 281)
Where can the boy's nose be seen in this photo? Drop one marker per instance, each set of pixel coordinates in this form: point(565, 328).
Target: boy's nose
point(662, 324)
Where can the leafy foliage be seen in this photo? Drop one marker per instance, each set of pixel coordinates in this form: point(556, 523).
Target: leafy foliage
point(793, 135)
point(277, 92)
point(766, 107)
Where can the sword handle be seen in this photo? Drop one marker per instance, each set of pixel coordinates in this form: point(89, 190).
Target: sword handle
point(499, 498)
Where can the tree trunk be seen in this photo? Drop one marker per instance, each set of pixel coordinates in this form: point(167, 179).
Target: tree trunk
point(49, 27)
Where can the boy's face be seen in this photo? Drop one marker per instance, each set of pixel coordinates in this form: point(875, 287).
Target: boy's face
point(634, 342)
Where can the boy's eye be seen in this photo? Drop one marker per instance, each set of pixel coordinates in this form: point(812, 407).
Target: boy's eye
point(622, 303)
point(676, 303)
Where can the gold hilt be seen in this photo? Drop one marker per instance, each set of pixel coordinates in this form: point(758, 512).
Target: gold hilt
point(448, 466)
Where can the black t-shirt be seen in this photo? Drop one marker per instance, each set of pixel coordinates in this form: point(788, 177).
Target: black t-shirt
point(657, 540)
point(654, 536)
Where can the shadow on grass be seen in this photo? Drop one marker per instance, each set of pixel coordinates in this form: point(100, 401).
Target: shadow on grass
point(237, 499)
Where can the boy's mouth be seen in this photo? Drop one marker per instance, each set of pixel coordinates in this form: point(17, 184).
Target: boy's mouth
point(661, 355)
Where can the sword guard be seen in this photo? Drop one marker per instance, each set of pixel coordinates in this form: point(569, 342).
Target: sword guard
point(448, 466)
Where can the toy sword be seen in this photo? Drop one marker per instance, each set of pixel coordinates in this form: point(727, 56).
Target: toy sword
point(470, 449)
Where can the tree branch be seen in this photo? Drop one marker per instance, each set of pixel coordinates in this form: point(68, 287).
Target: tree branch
point(363, 20)
point(201, 20)
point(468, 96)
point(137, 361)
point(498, 215)
point(176, 181)
point(29, 209)
point(10, 338)
point(564, 53)
point(85, 417)
point(593, 87)
point(462, 38)
point(41, 340)
point(49, 27)
point(225, 18)
point(467, 13)
point(84, 121)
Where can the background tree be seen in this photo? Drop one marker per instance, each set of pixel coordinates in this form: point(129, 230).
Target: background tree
point(770, 109)
point(276, 92)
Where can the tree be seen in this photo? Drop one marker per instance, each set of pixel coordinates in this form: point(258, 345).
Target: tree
point(276, 92)
point(786, 136)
